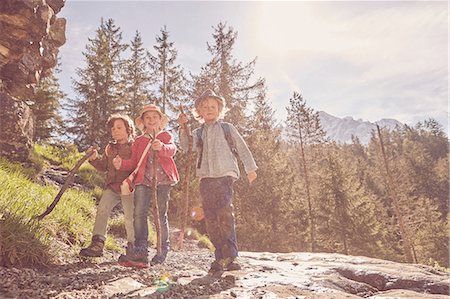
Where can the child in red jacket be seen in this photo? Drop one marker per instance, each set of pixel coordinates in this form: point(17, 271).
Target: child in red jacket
point(150, 121)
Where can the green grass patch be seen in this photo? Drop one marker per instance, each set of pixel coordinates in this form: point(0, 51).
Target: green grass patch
point(67, 156)
point(203, 240)
point(28, 242)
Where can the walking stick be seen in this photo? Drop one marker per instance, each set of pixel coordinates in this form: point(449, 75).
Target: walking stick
point(185, 210)
point(155, 200)
point(64, 186)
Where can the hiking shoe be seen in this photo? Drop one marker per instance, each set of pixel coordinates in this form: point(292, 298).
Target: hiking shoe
point(95, 249)
point(230, 264)
point(233, 266)
point(215, 267)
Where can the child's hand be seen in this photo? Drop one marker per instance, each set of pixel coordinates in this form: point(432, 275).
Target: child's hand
point(157, 145)
point(182, 119)
point(251, 176)
point(117, 162)
point(94, 155)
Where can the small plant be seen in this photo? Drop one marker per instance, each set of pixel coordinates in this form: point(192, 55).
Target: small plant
point(203, 240)
point(438, 267)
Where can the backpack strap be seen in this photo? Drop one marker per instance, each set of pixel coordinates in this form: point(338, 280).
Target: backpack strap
point(227, 132)
point(200, 145)
point(108, 149)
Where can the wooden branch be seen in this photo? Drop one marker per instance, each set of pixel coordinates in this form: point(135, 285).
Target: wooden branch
point(64, 187)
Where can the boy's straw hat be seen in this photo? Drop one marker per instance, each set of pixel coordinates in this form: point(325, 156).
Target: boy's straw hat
point(209, 94)
point(139, 122)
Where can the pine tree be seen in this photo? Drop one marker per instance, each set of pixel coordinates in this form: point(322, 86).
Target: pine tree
point(136, 78)
point(346, 209)
point(304, 128)
point(45, 106)
point(231, 79)
point(335, 201)
point(422, 192)
point(259, 215)
point(166, 75)
point(100, 87)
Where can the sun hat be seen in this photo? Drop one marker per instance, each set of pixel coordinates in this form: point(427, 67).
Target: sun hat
point(209, 94)
point(139, 122)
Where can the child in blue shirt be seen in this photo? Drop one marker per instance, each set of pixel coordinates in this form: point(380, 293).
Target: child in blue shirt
point(217, 168)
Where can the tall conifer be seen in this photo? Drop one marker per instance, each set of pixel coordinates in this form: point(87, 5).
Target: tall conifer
point(99, 88)
point(45, 106)
point(136, 78)
point(168, 80)
point(304, 128)
point(227, 77)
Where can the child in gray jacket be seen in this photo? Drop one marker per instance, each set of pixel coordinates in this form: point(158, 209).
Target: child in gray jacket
point(218, 145)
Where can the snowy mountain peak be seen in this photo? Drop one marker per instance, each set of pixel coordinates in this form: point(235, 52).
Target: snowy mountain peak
point(342, 129)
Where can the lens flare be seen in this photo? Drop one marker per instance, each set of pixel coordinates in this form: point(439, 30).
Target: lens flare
point(197, 213)
point(163, 283)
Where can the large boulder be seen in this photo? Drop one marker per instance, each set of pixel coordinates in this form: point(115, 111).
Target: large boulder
point(16, 135)
point(30, 35)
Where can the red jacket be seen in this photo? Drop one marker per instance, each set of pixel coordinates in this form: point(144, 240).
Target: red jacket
point(165, 157)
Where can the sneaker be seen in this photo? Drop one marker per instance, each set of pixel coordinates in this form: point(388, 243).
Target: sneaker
point(95, 249)
point(158, 259)
point(136, 259)
point(215, 267)
point(123, 258)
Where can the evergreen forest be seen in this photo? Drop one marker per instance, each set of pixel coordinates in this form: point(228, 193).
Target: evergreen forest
point(387, 199)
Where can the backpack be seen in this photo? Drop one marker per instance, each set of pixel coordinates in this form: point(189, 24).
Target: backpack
point(226, 130)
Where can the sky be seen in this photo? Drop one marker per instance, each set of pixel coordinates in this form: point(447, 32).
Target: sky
point(365, 59)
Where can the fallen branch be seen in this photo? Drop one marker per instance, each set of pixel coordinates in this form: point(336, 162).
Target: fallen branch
point(64, 187)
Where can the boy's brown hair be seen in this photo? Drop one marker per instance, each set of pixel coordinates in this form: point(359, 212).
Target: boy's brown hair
point(127, 122)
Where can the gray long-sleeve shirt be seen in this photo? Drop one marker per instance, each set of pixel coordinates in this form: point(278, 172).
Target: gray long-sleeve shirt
point(218, 160)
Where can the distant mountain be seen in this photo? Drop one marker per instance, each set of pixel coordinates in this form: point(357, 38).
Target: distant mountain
point(342, 129)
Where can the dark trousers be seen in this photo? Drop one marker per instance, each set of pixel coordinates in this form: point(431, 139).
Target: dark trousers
point(217, 196)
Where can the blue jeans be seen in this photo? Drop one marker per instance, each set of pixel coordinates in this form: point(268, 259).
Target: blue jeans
point(217, 196)
point(142, 196)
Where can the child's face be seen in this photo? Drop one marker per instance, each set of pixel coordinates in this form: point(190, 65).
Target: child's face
point(152, 121)
point(119, 131)
point(209, 110)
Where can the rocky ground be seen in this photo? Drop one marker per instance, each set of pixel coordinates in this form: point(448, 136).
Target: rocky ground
point(104, 278)
point(264, 275)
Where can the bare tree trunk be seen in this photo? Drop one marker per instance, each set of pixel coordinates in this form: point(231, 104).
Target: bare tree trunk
point(185, 209)
point(392, 193)
point(344, 240)
point(164, 82)
point(308, 195)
